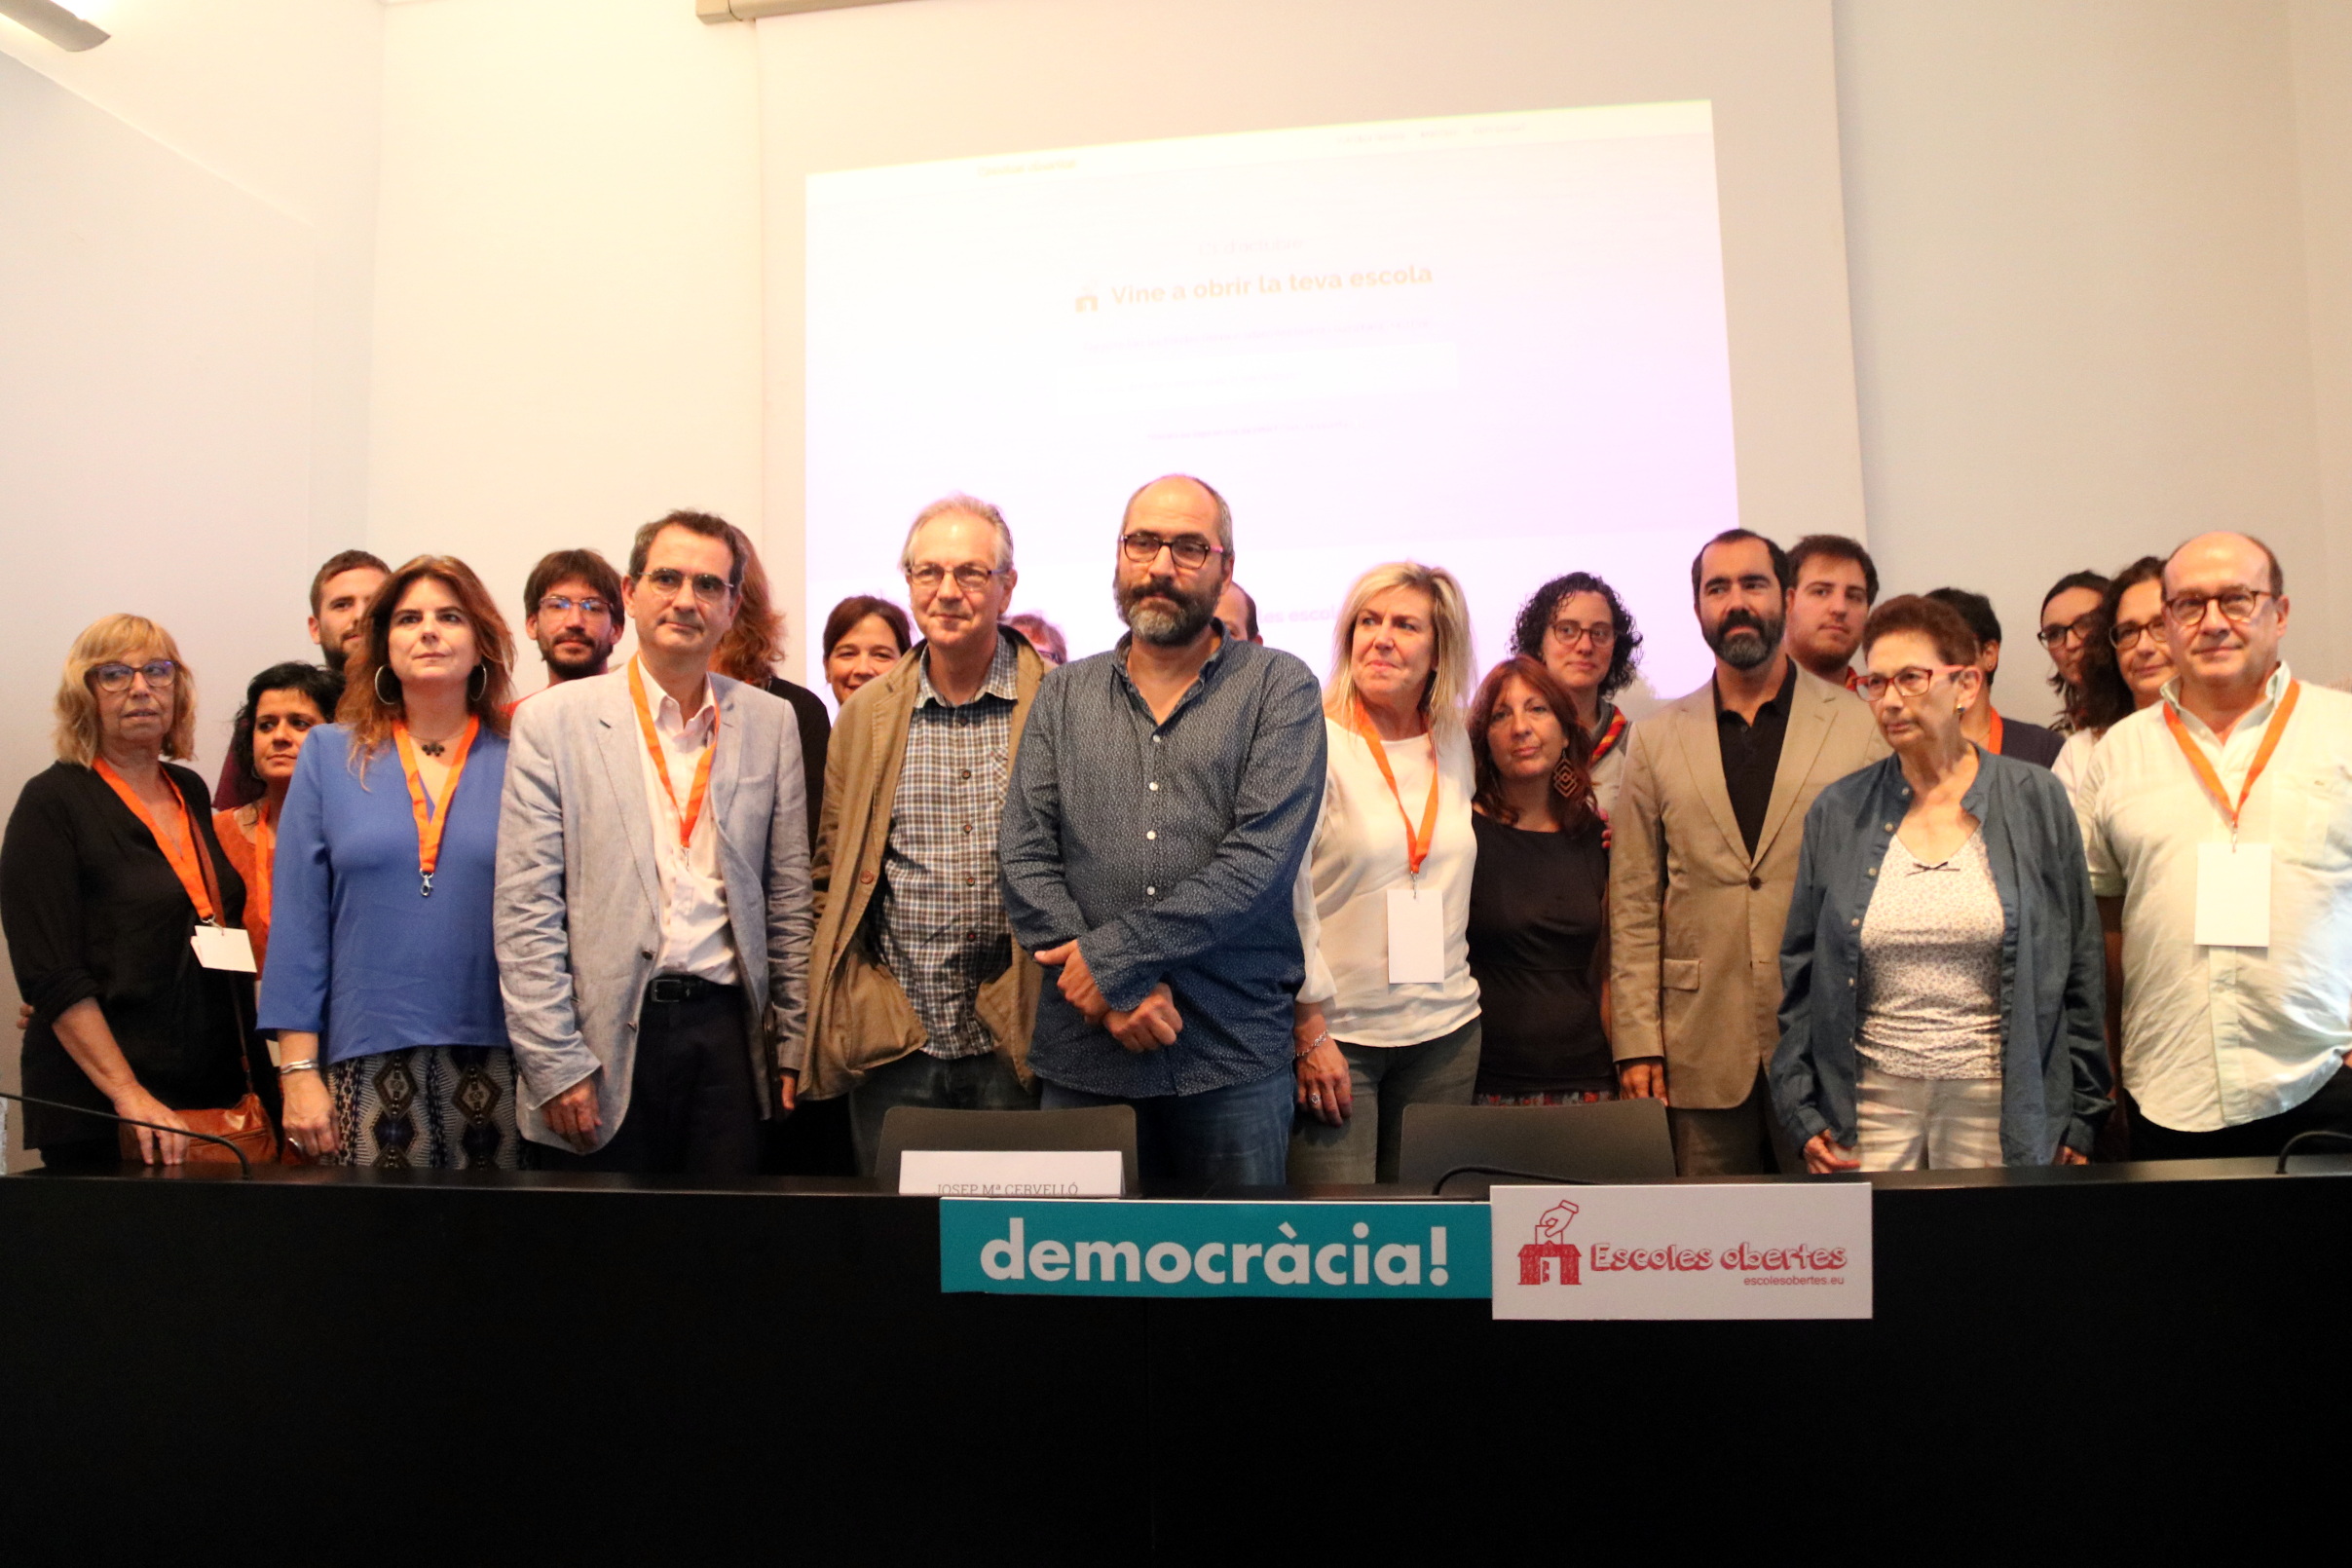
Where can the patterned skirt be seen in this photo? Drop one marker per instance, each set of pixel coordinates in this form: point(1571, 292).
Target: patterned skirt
point(431, 1106)
point(1547, 1097)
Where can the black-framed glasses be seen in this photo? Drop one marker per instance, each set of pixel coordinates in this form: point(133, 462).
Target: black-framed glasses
point(160, 674)
point(557, 604)
point(1188, 550)
point(1911, 682)
point(970, 579)
point(2124, 633)
point(2078, 630)
point(1601, 634)
point(2187, 610)
point(670, 583)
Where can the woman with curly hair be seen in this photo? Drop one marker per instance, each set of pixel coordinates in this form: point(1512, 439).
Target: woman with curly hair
point(1578, 628)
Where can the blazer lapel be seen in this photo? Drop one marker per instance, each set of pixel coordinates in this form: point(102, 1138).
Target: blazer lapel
point(1809, 714)
point(1702, 755)
point(623, 748)
point(727, 768)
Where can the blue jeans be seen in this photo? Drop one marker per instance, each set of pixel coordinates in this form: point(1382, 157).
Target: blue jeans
point(1236, 1137)
point(958, 1083)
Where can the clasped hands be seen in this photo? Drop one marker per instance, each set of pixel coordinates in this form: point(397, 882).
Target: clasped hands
point(1150, 1025)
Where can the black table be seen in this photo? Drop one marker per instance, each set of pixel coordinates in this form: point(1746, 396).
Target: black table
point(459, 1368)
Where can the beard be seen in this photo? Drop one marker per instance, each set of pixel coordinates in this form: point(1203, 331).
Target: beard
point(566, 664)
point(1743, 639)
point(1151, 619)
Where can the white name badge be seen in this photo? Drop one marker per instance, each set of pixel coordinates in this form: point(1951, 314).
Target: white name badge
point(1762, 1249)
point(1416, 937)
point(2233, 895)
point(224, 946)
point(1011, 1173)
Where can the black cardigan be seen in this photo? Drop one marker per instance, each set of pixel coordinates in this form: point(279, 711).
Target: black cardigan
point(816, 729)
point(92, 909)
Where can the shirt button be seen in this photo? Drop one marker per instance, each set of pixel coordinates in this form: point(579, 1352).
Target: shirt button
point(644, 952)
point(1155, 784)
point(969, 880)
point(1850, 981)
point(966, 773)
point(1152, 832)
point(1155, 740)
point(967, 826)
point(1888, 826)
point(1854, 922)
point(1871, 872)
point(1151, 892)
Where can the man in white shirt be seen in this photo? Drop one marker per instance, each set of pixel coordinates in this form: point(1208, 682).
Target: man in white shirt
point(2218, 826)
point(653, 912)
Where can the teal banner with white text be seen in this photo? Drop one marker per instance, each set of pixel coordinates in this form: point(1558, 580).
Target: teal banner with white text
point(1380, 1251)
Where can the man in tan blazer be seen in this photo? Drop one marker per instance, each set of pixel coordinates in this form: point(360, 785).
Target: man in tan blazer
point(918, 995)
point(1704, 861)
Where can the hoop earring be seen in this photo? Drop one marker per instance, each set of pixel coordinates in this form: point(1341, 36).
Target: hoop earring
point(387, 698)
point(473, 695)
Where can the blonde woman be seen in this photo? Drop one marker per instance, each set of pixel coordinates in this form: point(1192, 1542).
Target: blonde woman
point(110, 867)
point(1389, 1015)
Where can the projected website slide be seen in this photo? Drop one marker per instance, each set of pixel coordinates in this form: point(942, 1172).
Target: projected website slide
point(1493, 343)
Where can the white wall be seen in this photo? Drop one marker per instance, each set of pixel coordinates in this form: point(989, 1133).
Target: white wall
point(568, 318)
point(2081, 272)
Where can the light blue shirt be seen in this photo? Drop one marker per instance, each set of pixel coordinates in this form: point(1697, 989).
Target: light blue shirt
point(358, 953)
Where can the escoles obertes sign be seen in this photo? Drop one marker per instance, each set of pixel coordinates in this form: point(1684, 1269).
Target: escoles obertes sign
point(1773, 1250)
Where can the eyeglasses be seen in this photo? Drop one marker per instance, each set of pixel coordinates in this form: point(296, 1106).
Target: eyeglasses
point(2238, 605)
point(2078, 630)
point(1190, 552)
point(557, 604)
point(970, 579)
point(2124, 633)
point(160, 674)
point(1601, 634)
point(1911, 683)
point(669, 582)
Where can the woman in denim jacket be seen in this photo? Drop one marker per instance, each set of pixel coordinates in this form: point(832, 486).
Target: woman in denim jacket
point(1943, 962)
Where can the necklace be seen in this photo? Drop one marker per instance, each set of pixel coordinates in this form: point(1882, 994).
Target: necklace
point(433, 748)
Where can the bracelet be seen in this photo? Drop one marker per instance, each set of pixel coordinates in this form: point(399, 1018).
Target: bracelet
point(306, 1065)
point(1309, 1048)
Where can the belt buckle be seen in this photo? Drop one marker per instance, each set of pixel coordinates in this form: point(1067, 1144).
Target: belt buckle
point(673, 988)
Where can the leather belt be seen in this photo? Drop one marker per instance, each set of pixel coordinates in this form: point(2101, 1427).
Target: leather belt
point(684, 988)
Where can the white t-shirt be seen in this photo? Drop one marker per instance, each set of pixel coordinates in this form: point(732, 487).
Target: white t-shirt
point(2074, 761)
point(1360, 853)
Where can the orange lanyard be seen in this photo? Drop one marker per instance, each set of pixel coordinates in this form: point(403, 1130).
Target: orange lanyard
point(691, 812)
point(1993, 736)
point(1416, 844)
point(183, 860)
point(265, 859)
point(429, 822)
point(2197, 759)
point(1609, 737)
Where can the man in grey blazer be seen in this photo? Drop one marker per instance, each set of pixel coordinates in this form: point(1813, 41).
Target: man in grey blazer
point(653, 915)
point(1704, 861)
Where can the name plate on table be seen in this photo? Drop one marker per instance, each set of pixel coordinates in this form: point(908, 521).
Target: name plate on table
point(1390, 1251)
point(1773, 1250)
point(1011, 1173)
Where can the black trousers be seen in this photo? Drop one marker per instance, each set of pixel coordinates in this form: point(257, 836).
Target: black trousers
point(2331, 1108)
point(693, 1102)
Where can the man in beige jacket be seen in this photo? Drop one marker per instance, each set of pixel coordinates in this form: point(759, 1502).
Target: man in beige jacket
point(918, 994)
point(1704, 861)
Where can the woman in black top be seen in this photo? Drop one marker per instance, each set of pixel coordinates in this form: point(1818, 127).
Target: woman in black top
point(110, 856)
point(1538, 901)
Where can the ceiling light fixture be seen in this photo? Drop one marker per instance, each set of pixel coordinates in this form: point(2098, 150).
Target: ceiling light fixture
point(56, 23)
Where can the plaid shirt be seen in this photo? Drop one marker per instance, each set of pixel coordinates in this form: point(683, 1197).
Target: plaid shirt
point(941, 923)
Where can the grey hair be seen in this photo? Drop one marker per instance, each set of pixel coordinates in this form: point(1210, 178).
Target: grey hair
point(970, 507)
point(1224, 513)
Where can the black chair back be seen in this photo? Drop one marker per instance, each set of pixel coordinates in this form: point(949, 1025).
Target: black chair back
point(1608, 1140)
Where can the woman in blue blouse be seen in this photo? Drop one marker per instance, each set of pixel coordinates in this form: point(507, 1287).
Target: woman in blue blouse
point(382, 984)
point(1943, 962)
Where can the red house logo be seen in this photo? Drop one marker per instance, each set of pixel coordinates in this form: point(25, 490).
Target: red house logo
point(1551, 1253)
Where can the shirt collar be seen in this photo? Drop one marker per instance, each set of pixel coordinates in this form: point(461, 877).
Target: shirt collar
point(2254, 717)
point(1779, 701)
point(667, 715)
point(1209, 665)
point(1005, 677)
